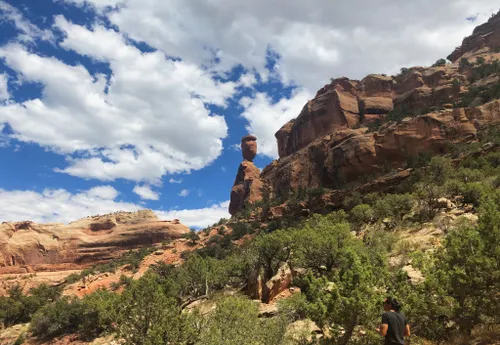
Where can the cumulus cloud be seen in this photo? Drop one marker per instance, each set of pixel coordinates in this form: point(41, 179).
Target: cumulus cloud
point(198, 218)
point(315, 39)
point(4, 90)
point(146, 193)
point(59, 205)
point(265, 118)
point(97, 116)
point(312, 40)
point(184, 193)
point(173, 180)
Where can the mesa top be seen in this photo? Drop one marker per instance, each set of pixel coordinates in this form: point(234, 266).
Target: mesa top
point(395, 333)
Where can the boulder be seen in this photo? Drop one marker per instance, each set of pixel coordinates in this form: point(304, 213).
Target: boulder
point(277, 284)
point(303, 330)
point(414, 275)
point(268, 310)
point(249, 147)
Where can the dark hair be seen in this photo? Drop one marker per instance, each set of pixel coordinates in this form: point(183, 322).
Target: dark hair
point(394, 303)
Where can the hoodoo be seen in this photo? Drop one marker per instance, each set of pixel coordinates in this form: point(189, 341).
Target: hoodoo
point(247, 186)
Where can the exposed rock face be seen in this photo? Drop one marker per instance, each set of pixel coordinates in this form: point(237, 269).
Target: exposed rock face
point(331, 109)
point(329, 144)
point(486, 35)
point(281, 281)
point(30, 247)
point(247, 187)
point(348, 154)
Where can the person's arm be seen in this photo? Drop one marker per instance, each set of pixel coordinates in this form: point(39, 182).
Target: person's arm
point(407, 331)
point(382, 330)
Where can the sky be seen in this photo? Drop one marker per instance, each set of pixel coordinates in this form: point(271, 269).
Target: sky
point(110, 105)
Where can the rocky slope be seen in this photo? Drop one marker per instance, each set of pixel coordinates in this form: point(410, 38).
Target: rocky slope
point(353, 130)
point(27, 247)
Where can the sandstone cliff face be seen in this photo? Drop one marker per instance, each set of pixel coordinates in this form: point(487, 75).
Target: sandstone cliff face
point(30, 247)
point(329, 143)
point(486, 35)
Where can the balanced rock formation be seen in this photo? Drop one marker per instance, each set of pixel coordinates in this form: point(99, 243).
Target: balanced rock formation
point(354, 129)
point(30, 247)
point(247, 187)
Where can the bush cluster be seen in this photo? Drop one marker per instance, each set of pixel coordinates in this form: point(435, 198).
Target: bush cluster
point(343, 277)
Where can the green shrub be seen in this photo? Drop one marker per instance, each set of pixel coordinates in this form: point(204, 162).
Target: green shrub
point(440, 62)
point(20, 339)
point(193, 237)
point(58, 318)
point(241, 229)
point(362, 214)
point(149, 317)
point(235, 321)
point(320, 242)
point(352, 200)
point(464, 64)
point(473, 192)
point(393, 206)
point(316, 192)
point(73, 278)
point(19, 308)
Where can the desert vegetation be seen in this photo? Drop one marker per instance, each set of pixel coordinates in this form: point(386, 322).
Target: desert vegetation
point(344, 260)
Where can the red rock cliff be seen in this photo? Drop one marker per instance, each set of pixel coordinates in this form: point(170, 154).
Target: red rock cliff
point(27, 246)
point(337, 138)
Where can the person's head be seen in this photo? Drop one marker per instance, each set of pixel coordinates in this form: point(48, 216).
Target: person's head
point(391, 303)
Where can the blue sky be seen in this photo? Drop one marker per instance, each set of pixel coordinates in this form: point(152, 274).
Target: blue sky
point(119, 105)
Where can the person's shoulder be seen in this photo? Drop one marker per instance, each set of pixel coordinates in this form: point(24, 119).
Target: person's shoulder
point(386, 316)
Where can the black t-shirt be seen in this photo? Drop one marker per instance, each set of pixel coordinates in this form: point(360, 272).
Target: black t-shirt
point(397, 324)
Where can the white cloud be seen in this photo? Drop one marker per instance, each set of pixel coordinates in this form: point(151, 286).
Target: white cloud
point(237, 147)
point(247, 80)
point(4, 140)
point(4, 90)
point(316, 39)
point(103, 192)
point(223, 168)
point(266, 118)
point(90, 115)
point(198, 218)
point(146, 193)
point(59, 205)
point(29, 32)
point(172, 180)
point(184, 193)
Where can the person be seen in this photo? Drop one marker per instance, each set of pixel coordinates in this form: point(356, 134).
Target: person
point(394, 325)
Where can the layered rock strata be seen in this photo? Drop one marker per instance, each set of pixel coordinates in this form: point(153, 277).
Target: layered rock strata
point(29, 247)
point(344, 133)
